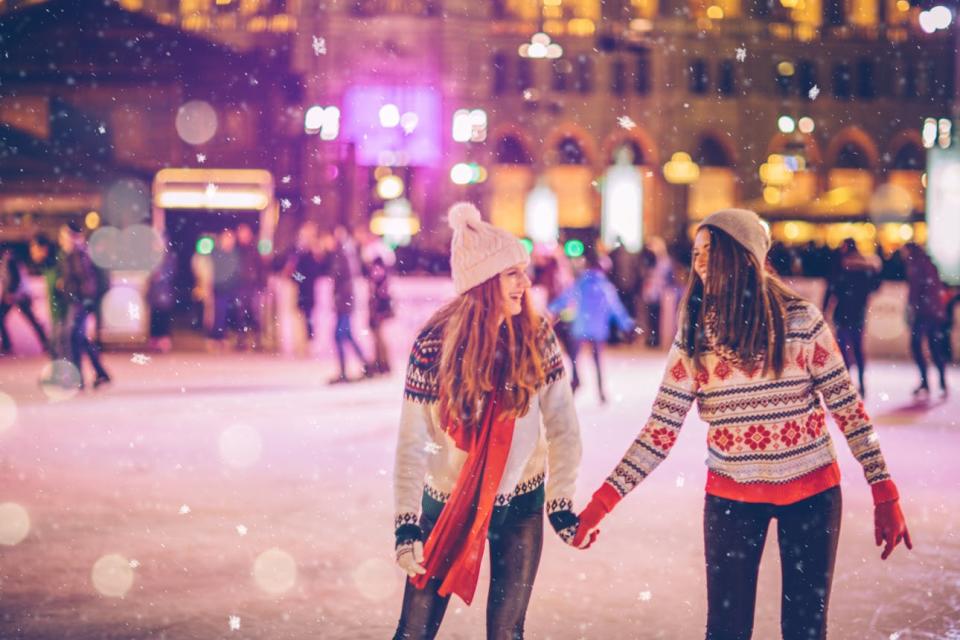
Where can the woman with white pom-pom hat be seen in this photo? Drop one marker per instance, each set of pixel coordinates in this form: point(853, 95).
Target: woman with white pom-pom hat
point(486, 412)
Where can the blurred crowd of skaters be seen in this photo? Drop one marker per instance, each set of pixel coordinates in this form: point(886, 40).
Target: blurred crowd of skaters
point(598, 298)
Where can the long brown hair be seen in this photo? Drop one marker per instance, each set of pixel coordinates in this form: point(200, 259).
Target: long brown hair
point(471, 338)
point(750, 306)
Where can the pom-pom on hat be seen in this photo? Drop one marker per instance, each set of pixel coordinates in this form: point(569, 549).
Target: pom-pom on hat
point(479, 250)
point(745, 227)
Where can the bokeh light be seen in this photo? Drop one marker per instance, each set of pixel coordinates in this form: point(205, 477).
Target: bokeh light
point(59, 380)
point(196, 122)
point(375, 579)
point(126, 202)
point(240, 446)
point(8, 411)
point(104, 245)
point(112, 575)
point(14, 523)
point(92, 220)
point(573, 248)
point(205, 245)
point(123, 307)
point(275, 571)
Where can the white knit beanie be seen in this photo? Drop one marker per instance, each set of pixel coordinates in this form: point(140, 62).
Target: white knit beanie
point(745, 227)
point(479, 250)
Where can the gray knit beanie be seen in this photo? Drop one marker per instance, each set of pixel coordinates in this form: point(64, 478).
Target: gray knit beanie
point(745, 227)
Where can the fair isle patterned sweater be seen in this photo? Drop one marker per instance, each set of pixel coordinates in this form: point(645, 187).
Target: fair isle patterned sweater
point(767, 439)
point(545, 447)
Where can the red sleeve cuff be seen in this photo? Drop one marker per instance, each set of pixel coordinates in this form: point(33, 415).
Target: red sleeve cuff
point(884, 491)
point(607, 496)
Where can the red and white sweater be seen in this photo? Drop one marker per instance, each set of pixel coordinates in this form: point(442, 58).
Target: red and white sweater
point(767, 439)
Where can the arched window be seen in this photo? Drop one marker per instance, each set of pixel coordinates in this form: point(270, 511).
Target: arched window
point(852, 156)
point(570, 152)
point(711, 153)
point(632, 148)
point(910, 157)
point(510, 150)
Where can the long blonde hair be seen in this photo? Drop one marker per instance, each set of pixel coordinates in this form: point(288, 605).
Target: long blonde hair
point(471, 337)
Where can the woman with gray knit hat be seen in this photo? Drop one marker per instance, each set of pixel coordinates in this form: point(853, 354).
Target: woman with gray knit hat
point(486, 415)
point(761, 364)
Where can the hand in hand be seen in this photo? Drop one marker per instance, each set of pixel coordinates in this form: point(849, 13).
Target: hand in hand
point(890, 527)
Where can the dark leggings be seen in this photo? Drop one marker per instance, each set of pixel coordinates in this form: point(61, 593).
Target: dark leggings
point(734, 534)
point(850, 341)
point(343, 335)
point(575, 351)
point(515, 548)
point(936, 340)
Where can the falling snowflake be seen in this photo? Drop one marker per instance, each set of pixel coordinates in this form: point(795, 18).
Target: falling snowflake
point(316, 199)
point(299, 277)
point(285, 203)
point(884, 397)
point(101, 129)
point(201, 158)
point(134, 564)
point(638, 331)
point(680, 481)
point(211, 190)
point(626, 122)
point(133, 310)
point(645, 596)
point(741, 54)
point(319, 46)
point(527, 94)
point(432, 448)
point(285, 179)
point(140, 358)
point(184, 509)
point(242, 530)
point(234, 623)
point(382, 472)
point(814, 92)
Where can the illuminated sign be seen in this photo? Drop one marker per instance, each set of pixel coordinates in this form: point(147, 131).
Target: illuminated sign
point(370, 117)
point(943, 211)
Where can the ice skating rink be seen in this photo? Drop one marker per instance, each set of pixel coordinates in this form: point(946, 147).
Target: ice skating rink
point(239, 496)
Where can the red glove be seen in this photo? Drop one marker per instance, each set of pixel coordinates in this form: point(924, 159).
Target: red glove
point(603, 501)
point(889, 525)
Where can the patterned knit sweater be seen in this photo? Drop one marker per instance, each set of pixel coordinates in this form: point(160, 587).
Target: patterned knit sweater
point(545, 446)
point(767, 439)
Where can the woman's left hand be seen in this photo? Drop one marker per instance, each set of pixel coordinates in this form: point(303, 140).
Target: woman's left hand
point(890, 527)
point(567, 524)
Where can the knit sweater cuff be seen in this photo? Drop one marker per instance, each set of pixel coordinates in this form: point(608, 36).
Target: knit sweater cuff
point(607, 497)
point(884, 491)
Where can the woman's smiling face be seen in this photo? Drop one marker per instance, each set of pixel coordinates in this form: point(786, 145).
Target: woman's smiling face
point(513, 284)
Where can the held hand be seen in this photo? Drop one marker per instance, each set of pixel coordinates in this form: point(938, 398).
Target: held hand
point(890, 527)
point(567, 524)
point(410, 558)
point(603, 501)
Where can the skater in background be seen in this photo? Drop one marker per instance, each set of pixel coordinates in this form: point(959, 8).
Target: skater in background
point(15, 293)
point(486, 416)
point(595, 306)
point(251, 282)
point(657, 274)
point(161, 298)
point(380, 309)
point(80, 287)
point(303, 265)
point(226, 283)
point(344, 264)
point(48, 262)
point(761, 363)
point(927, 314)
point(854, 278)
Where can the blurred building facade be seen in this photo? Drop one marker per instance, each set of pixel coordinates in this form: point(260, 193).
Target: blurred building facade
point(814, 112)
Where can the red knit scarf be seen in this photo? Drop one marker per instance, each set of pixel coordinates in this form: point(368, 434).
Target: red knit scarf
point(454, 549)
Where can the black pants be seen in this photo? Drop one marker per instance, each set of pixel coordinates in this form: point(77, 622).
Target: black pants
point(850, 341)
point(936, 340)
point(575, 351)
point(515, 548)
point(653, 324)
point(25, 304)
point(80, 344)
point(734, 534)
